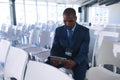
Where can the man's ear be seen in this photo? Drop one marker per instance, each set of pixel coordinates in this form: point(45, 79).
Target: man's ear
point(75, 17)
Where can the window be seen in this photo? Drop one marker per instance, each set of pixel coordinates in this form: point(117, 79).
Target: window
point(4, 12)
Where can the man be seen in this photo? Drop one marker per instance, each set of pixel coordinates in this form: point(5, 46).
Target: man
point(73, 46)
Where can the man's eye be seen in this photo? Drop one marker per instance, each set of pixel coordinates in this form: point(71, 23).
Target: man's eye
point(69, 21)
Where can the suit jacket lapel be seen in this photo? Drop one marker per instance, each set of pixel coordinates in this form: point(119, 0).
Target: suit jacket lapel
point(75, 37)
point(66, 36)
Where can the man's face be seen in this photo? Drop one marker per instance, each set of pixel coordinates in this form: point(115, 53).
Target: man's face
point(69, 20)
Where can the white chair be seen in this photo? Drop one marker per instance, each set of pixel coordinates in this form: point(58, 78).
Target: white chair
point(41, 71)
point(35, 51)
point(45, 39)
point(105, 56)
point(103, 35)
point(23, 46)
point(33, 39)
point(4, 48)
point(15, 64)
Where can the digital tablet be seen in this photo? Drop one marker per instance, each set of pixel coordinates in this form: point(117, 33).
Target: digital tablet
point(57, 58)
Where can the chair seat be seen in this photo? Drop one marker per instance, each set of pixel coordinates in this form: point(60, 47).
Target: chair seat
point(42, 56)
point(35, 50)
point(24, 46)
point(101, 73)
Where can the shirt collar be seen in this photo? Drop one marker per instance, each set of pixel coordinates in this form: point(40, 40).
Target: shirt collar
point(74, 27)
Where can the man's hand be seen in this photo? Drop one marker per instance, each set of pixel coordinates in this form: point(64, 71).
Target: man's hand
point(55, 63)
point(69, 64)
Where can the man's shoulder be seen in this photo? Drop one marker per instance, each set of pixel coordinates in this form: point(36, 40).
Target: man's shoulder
point(60, 27)
point(81, 27)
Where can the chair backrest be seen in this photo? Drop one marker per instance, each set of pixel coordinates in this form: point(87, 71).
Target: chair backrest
point(30, 36)
point(4, 48)
point(45, 39)
point(107, 34)
point(106, 55)
point(15, 64)
point(41, 71)
point(103, 35)
point(34, 38)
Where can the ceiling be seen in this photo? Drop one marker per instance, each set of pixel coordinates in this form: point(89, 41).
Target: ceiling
point(81, 2)
point(65, 1)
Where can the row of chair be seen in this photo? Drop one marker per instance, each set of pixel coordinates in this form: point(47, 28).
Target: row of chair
point(18, 66)
point(32, 37)
point(103, 56)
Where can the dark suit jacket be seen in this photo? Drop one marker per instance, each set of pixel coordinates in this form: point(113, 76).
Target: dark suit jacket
point(80, 43)
point(79, 47)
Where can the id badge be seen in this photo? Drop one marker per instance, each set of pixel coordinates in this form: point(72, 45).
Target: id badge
point(68, 52)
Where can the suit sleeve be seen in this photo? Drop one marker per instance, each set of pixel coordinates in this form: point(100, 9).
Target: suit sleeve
point(84, 48)
point(55, 46)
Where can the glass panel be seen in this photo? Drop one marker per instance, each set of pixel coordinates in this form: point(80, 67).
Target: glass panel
point(69, 5)
point(98, 14)
point(52, 15)
point(30, 1)
point(42, 12)
point(19, 1)
point(4, 13)
point(60, 9)
point(30, 10)
point(20, 18)
point(77, 13)
point(4, 1)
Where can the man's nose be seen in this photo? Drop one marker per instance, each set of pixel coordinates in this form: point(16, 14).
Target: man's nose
point(67, 23)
